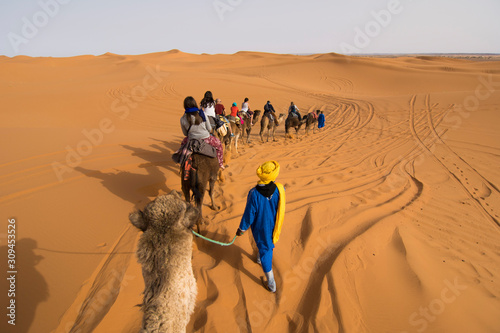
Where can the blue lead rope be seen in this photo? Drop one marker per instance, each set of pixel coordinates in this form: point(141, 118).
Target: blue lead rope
point(214, 241)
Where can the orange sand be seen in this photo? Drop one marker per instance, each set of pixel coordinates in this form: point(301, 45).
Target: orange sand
point(392, 221)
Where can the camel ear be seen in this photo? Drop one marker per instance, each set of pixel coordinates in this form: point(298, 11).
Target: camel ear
point(138, 220)
point(175, 194)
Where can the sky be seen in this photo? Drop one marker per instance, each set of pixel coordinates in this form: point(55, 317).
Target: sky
point(62, 28)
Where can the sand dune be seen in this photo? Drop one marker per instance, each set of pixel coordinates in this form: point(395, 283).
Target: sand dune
point(392, 221)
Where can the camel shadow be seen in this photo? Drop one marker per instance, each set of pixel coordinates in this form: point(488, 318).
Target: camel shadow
point(170, 146)
point(132, 187)
point(160, 155)
point(138, 188)
point(30, 288)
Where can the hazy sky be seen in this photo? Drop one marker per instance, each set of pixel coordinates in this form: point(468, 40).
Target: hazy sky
point(75, 27)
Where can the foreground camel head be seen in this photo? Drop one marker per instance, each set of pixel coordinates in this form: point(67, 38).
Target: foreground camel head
point(166, 214)
point(164, 251)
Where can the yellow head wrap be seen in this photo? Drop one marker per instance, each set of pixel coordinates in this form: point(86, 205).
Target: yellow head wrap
point(268, 172)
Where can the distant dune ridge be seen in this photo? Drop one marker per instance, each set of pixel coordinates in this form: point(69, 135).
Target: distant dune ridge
point(393, 211)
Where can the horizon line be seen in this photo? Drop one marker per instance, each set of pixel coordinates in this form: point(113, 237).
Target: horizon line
point(295, 54)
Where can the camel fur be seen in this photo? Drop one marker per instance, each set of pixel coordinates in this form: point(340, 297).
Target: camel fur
point(293, 122)
point(204, 171)
point(237, 133)
point(226, 139)
point(266, 123)
point(164, 251)
point(247, 125)
point(311, 121)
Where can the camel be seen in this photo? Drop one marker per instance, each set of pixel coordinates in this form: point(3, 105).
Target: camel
point(247, 124)
point(204, 169)
point(238, 130)
point(266, 123)
point(164, 251)
point(293, 122)
point(226, 140)
point(311, 120)
point(237, 133)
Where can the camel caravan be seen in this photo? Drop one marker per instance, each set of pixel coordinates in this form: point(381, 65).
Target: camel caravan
point(295, 121)
point(165, 247)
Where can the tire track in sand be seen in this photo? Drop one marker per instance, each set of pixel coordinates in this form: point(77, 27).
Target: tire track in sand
point(487, 199)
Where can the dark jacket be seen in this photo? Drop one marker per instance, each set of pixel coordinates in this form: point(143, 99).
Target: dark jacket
point(268, 108)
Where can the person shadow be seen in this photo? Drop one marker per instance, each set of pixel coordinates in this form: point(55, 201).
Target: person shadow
point(31, 289)
point(232, 255)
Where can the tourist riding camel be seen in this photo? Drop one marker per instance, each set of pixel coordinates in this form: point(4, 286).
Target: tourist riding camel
point(270, 113)
point(196, 126)
point(207, 104)
point(245, 110)
point(234, 114)
point(294, 110)
point(220, 111)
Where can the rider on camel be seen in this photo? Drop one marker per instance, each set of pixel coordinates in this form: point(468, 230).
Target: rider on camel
point(270, 113)
point(294, 110)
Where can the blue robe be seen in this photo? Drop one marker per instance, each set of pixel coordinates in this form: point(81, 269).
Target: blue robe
point(321, 120)
point(260, 216)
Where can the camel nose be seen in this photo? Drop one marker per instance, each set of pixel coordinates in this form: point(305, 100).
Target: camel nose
point(192, 215)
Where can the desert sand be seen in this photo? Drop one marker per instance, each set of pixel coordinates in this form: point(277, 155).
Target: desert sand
point(393, 209)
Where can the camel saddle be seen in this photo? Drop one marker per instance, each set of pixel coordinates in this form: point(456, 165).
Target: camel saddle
point(235, 120)
point(193, 146)
point(269, 115)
